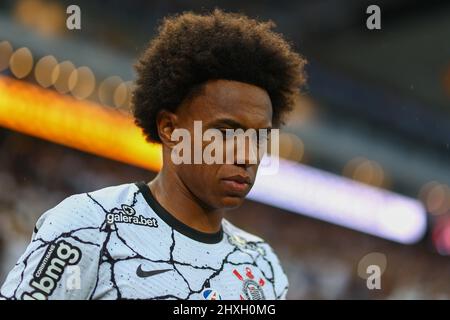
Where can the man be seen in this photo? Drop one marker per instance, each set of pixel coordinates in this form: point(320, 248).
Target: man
point(168, 239)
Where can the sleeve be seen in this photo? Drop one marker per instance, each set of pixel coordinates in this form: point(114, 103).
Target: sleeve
point(280, 279)
point(61, 261)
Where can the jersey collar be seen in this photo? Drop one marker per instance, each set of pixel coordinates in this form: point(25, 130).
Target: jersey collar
point(173, 222)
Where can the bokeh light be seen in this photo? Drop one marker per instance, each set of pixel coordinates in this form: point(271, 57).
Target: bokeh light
point(46, 17)
point(21, 62)
point(122, 95)
point(44, 70)
point(61, 76)
point(302, 112)
point(107, 89)
point(6, 51)
point(83, 80)
point(291, 147)
point(436, 197)
point(366, 171)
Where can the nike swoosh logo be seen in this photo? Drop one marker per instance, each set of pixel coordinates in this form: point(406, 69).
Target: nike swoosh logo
point(145, 274)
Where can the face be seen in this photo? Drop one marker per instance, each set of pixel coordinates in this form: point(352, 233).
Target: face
point(220, 104)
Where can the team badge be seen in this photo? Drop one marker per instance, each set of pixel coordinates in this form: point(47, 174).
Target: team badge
point(251, 289)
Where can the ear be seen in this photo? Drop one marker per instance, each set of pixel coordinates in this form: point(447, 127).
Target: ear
point(166, 123)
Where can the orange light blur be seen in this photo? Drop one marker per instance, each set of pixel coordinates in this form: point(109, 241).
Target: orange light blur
point(78, 124)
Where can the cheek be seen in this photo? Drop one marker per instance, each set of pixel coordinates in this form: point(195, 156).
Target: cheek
point(210, 175)
point(202, 178)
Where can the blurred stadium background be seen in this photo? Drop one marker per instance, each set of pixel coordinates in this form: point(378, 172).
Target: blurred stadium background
point(367, 152)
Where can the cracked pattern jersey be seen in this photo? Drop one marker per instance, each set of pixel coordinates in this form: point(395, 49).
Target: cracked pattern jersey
point(120, 243)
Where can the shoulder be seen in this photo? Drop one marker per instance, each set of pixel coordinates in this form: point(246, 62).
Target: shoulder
point(83, 211)
point(243, 239)
point(232, 231)
point(109, 197)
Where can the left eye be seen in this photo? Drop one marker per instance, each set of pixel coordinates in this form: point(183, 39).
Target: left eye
point(227, 133)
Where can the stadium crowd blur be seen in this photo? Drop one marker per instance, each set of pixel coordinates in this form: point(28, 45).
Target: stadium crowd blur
point(321, 259)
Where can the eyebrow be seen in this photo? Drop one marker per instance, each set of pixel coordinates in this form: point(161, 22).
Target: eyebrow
point(231, 123)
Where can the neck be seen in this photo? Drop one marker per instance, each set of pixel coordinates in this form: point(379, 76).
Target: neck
point(175, 197)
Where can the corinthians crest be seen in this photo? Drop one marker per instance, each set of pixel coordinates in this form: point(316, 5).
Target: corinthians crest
point(251, 289)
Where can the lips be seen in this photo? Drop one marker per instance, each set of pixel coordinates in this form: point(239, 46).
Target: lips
point(237, 184)
point(239, 179)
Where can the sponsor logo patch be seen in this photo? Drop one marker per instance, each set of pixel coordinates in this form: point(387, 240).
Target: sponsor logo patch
point(51, 268)
point(211, 294)
point(127, 214)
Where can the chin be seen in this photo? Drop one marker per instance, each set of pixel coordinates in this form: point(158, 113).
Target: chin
point(231, 202)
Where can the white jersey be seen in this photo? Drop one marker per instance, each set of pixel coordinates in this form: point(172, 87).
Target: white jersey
point(120, 243)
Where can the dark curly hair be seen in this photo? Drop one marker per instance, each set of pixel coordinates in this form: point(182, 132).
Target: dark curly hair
point(191, 49)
